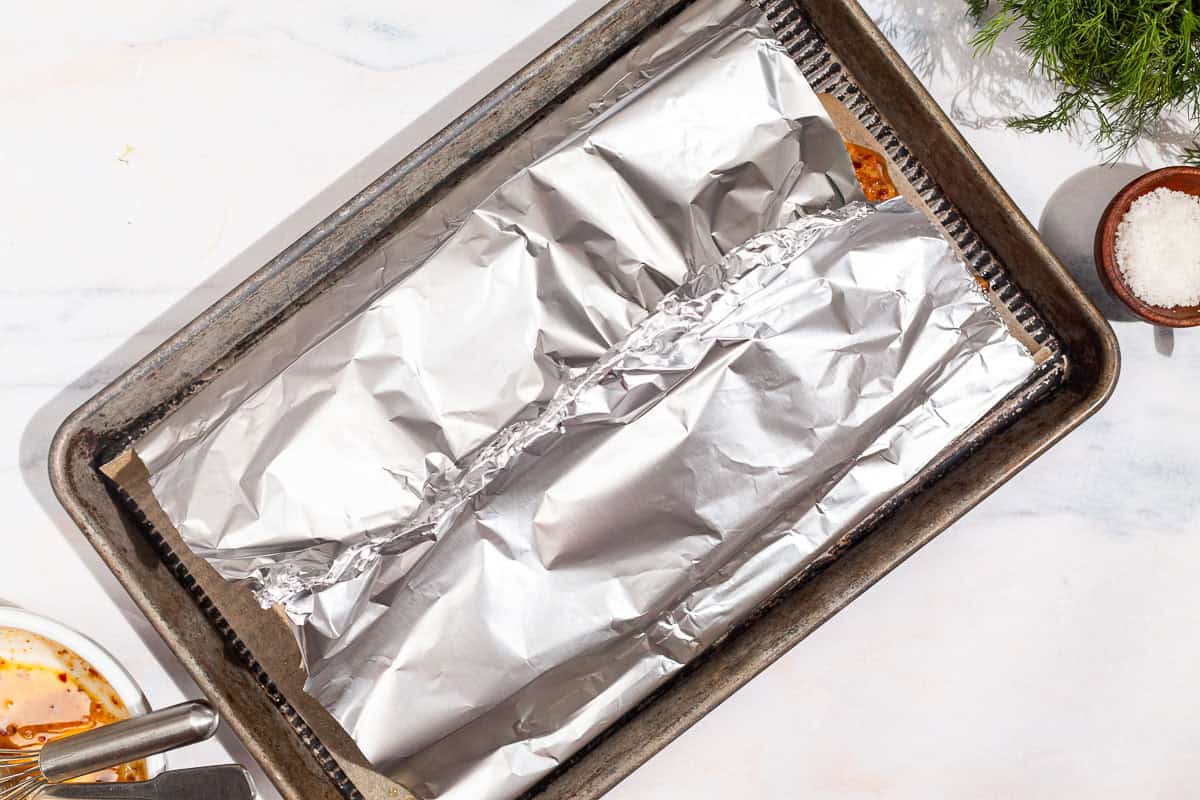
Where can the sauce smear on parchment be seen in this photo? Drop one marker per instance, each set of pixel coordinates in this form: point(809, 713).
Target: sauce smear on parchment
point(871, 170)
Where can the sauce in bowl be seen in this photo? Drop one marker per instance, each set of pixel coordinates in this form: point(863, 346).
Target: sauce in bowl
point(47, 692)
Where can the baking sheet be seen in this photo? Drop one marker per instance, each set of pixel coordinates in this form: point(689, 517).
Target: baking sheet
point(338, 487)
point(276, 668)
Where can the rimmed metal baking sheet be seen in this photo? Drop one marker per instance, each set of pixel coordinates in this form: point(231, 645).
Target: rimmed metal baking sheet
point(239, 655)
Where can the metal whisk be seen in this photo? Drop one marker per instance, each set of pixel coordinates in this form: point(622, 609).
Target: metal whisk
point(23, 773)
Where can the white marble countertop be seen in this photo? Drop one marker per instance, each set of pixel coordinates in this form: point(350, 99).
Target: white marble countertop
point(155, 154)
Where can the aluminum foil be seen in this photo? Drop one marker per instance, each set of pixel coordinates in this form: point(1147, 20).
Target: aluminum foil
point(611, 393)
point(768, 405)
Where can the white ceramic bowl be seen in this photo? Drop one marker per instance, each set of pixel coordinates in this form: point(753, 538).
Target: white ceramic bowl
point(100, 659)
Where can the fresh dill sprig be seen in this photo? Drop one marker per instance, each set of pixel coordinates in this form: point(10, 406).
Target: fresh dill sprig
point(1127, 62)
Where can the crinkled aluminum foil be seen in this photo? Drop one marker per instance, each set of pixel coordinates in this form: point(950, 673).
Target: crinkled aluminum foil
point(574, 431)
point(769, 404)
point(325, 438)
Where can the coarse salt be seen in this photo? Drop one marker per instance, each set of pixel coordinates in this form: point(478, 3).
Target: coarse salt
point(1158, 248)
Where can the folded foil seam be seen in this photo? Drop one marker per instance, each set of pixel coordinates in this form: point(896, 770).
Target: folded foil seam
point(768, 405)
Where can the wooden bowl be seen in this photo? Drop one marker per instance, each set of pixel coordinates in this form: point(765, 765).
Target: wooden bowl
point(1181, 179)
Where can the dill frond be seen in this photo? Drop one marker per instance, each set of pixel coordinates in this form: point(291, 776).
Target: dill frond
point(1127, 62)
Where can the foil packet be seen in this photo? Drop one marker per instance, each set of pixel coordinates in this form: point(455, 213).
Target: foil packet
point(612, 392)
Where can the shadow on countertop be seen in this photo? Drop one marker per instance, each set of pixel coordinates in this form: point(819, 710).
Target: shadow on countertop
point(32, 458)
point(1068, 225)
point(987, 90)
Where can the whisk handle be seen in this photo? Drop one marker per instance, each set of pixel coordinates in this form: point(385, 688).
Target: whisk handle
point(128, 740)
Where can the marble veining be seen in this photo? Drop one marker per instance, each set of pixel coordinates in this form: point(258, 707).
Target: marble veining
point(369, 33)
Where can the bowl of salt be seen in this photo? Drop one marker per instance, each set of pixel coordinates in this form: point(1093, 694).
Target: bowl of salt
point(1148, 246)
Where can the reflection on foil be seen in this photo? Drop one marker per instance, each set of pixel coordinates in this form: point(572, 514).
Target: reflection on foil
point(279, 481)
point(593, 421)
point(766, 406)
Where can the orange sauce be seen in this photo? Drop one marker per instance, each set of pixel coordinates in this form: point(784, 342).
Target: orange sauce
point(872, 173)
point(39, 704)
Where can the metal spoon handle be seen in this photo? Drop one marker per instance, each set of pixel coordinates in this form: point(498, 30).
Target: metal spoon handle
point(128, 740)
point(227, 782)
